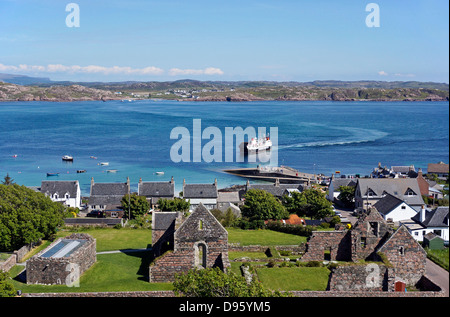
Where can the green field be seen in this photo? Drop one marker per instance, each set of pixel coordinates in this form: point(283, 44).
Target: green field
point(294, 278)
point(262, 237)
point(128, 271)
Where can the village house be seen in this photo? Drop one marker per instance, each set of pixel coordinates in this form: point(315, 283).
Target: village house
point(197, 194)
point(108, 196)
point(370, 190)
point(424, 222)
point(65, 192)
point(394, 172)
point(440, 169)
point(154, 191)
point(199, 241)
point(335, 184)
point(395, 209)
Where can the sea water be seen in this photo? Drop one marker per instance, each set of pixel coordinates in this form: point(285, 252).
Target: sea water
point(134, 138)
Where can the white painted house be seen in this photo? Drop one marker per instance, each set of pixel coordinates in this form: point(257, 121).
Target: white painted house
point(391, 207)
point(66, 192)
point(425, 221)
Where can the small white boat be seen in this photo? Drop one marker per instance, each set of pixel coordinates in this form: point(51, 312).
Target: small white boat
point(104, 163)
point(159, 173)
point(111, 171)
point(67, 158)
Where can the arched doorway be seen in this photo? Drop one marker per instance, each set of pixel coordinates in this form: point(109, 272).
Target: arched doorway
point(200, 250)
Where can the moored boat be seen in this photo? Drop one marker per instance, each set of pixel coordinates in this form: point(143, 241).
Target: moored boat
point(52, 174)
point(67, 158)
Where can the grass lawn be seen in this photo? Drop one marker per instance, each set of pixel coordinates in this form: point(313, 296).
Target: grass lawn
point(440, 257)
point(111, 273)
point(109, 239)
point(294, 278)
point(262, 237)
point(129, 271)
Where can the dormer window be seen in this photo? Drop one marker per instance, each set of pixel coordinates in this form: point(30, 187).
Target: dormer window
point(67, 196)
point(410, 193)
point(55, 196)
point(370, 193)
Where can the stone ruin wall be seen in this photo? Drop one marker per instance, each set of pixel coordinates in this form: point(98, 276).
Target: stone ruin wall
point(60, 271)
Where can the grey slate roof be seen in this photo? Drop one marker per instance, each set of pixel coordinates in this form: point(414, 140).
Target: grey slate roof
point(60, 188)
point(163, 220)
point(105, 200)
point(109, 189)
point(394, 186)
point(199, 191)
point(387, 204)
point(338, 182)
point(157, 189)
point(434, 218)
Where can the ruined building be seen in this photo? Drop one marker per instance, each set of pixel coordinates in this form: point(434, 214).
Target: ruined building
point(371, 239)
point(199, 241)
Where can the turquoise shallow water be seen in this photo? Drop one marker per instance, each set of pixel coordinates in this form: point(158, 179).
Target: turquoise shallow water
point(134, 137)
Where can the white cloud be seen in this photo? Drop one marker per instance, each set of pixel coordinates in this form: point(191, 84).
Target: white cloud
point(91, 69)
point(206, 71)
point(382, 73)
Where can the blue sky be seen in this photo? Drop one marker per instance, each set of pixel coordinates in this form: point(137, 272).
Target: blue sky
point(279, 40)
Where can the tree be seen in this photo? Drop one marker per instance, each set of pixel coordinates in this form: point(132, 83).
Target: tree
point(6, 286)
point(347, 196)
point(8, 180)
point(135, 204)
point(176, 204)
point(311, 202)
point(261, 205)
point(212, 282)
point(26, 216)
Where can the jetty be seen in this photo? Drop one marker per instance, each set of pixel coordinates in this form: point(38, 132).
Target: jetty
point(284, 174)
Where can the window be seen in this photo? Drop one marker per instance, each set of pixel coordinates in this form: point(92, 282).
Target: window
point(200, 225)
point(374, 228)
point(410, 193)
point(401, 250)
point(403, 207)
point(363, 243)
point(437, 232)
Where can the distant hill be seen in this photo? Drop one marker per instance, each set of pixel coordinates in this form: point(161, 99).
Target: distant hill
point(23, 80)
point(16, 87)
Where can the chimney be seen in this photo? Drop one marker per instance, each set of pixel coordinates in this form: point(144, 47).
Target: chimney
point(420, 173)
point(171, 180)
point(422, 213)
point(215, 182)
point(277, 182)
point(128, 185)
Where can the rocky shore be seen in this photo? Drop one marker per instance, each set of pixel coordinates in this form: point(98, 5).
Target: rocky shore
point(12, 92)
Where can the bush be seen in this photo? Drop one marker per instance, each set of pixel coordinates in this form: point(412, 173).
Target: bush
point(299, 230)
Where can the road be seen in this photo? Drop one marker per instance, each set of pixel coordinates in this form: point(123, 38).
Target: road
point(437, 275)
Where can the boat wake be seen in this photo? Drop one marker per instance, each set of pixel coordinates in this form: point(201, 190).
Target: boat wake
point(358, 135)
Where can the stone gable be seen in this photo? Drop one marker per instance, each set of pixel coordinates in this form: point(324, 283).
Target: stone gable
point(199, 242)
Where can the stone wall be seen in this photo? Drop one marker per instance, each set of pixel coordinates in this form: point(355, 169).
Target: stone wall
point(337, 243)
point(62, 271)
point(365, 278)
